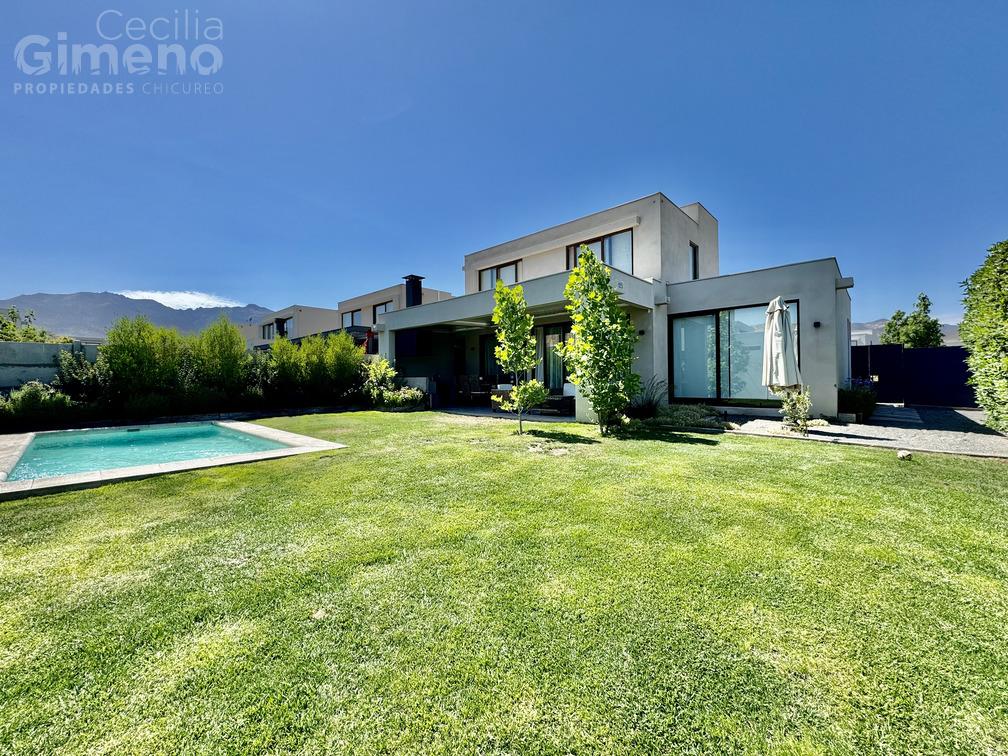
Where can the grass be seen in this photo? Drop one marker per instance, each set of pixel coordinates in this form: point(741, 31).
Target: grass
point(443, 585)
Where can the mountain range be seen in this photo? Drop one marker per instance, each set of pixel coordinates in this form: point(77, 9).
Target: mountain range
point(88, 315)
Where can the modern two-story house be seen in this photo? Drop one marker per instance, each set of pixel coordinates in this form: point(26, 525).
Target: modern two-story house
point(701, 333)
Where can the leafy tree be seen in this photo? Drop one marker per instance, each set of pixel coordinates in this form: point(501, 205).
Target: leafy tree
point(600, 353)
point(332, 365)
point(287, 372)
point(916, 330)
point(79, 378)
point(984, 331)
point(142, 359)
point(17, 327)
point(223, 358)
point(516, 350)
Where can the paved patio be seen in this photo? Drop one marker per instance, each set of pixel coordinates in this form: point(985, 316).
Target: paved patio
point(926, 429)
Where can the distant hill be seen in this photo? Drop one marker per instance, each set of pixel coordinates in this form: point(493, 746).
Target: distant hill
point(873, 332)
point(88, 315)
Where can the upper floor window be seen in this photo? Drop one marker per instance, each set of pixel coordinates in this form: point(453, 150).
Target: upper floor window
point(615, 250)
point(380, 309)
point(353, 318)
point(694, 261)
point(268, 331)
point(488, 277)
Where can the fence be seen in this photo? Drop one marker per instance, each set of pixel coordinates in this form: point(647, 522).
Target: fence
point(21, 362)
point(936, 376)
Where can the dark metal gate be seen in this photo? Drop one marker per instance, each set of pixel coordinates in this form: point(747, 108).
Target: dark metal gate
point(935, 376)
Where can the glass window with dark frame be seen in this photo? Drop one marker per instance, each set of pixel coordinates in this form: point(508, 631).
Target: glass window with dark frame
point(353, 318)
point(694, 261)
point(381, 309)
point(615, 250)
point(267, 332)
point(719, 354)
point(507, 273)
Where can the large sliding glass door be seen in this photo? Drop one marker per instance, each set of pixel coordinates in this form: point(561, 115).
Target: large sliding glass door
point(719, 355)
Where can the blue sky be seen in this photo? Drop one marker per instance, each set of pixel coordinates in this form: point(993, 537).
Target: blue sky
point(356, 142)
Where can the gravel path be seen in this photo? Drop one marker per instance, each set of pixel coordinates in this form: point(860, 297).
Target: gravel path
point(932, 429)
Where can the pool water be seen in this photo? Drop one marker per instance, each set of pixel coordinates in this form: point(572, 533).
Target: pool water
point(69, 452)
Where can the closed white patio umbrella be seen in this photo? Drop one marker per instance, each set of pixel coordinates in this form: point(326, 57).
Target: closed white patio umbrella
point(780, 353)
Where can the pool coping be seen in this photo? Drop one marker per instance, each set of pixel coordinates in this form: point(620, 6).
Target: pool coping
point(12, 446)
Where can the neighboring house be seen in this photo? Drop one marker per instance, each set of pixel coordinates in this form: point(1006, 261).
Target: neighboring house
point(359, 314)
point(356, 316)
point(701, 333)
point(295, 323)
point(862, 338)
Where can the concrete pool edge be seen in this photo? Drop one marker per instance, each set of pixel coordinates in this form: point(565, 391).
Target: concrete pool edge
point(13, 446)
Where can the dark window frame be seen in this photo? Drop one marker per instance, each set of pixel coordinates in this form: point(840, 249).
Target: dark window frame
point(572, 249)
point(694, 261)
point(716, 312)
point(374, 310)
point(351, 313)
point(497, 269)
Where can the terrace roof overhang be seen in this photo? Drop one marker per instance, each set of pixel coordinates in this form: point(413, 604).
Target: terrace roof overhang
point(544, 295)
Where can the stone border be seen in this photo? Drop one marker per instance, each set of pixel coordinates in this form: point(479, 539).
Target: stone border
point(12, 447)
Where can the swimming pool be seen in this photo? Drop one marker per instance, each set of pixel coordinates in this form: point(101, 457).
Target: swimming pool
point(61, 453)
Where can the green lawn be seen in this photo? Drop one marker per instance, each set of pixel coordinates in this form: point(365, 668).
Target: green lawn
point(441, 586)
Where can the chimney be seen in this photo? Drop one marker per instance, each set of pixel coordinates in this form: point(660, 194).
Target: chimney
point(414, 290)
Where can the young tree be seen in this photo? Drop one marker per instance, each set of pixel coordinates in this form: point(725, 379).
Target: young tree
point(516, 350)
point(600, 353)
point(916, 330)
point(984, 331)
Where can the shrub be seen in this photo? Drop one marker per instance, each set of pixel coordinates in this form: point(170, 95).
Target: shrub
point(405, 397)
point(35, 403)
point(332, 366)
point(80, 379)
point(287, 373)
point(648, 400)
point(795, 406)
point(379, 377)
point(384, 388)
point(142, 359)
point(859, 399)
point(144, 370)
point(261, 374)
point(222, 358)
point(984, 331)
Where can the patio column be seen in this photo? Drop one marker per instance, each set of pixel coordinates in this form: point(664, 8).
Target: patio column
point(386, 344)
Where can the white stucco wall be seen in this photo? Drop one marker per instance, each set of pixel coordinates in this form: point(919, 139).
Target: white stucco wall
point(814, 285)
point(680, 226)
point(545, 252)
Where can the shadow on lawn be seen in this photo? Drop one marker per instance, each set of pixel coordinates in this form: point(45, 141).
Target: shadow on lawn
point(669, 435)
point(561, 437)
